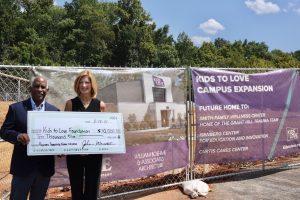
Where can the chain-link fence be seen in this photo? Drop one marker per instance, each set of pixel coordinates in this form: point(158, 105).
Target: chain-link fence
point(211, 172)
point(14, 85)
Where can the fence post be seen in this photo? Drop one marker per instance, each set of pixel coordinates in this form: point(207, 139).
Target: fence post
point(19, 90)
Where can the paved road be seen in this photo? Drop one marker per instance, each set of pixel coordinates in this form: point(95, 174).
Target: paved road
point(269, 185)
point(276, 184)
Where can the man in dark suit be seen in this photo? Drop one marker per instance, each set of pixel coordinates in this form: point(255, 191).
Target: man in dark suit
point(31, 174)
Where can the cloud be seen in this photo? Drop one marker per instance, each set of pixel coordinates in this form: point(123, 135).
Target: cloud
point(198, 40)
point(150, 22)
point(211, 26)
point(291, 5)
point(262, 6)
point(294, 7)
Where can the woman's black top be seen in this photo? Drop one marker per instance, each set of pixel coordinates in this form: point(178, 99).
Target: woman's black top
point(77, 105)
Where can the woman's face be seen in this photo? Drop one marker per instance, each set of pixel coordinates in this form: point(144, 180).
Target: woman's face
point(85, 85)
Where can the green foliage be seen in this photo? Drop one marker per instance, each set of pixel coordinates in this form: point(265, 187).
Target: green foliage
point(186, 50)
point(103, 33)
point(296, 55)
point(166, 56)
point(283, 60)
point(134, 35)
point(206, 55)
point(9, 18)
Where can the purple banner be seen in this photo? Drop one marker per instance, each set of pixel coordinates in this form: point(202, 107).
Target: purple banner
point(139, 161)
point(149, 160)
point(245, 117)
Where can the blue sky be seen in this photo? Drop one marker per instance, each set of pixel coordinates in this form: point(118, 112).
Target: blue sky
point(275, 22)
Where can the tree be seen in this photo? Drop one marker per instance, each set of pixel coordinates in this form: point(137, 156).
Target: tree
point(166, 53)
point(254, 62)
point(134, 43)
point(93, 33)
point(9, 19)
point(166, 56)
point(161, 36)
point(30, 45)
point(296, 55)
point(206, 55)
point(30, 51)
point(186, 50)
point(88, 34)
point(283, 60)
point(259, 50)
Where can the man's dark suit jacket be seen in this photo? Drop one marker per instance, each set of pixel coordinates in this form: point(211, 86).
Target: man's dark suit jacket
point(15, 123)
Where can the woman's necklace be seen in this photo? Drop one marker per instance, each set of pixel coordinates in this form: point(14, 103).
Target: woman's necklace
point(85, 103)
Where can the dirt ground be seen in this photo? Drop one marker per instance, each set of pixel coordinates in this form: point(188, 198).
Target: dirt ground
point(221, 186)
point(168, 194)
point(271, 184)
point(3, 110)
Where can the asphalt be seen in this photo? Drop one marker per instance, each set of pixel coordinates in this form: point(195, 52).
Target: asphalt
point(275, 184)
point(271, 184)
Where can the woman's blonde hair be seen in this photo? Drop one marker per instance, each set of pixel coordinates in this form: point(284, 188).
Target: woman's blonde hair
point(92, 79)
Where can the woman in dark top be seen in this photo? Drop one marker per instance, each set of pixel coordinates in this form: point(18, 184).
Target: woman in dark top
point(84, 170)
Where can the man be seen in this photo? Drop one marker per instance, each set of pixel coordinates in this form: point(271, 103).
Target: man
point(31, 174)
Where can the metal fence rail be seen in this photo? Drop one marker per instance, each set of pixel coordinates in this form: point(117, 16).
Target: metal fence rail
point(14, 85)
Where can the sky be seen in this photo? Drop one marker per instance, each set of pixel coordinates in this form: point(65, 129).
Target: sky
point(274, 22)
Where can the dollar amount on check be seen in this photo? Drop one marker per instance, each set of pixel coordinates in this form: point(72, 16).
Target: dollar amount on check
point(57, 133)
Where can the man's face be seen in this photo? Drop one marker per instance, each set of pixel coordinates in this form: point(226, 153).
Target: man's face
point(39, 90)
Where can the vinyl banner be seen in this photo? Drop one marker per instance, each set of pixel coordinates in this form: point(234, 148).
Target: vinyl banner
point(245, 117)
point(139, 161)
point(144, 161)
point(152, 102)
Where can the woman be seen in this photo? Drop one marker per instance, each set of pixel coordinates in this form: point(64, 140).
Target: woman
point(84, 170)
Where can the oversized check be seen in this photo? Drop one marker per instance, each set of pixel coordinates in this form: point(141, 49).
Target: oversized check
point(57, 133)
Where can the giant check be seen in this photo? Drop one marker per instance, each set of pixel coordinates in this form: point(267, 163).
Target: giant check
point(56, 133)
